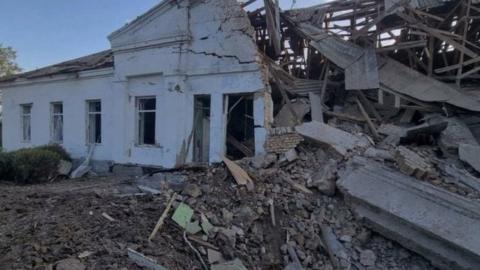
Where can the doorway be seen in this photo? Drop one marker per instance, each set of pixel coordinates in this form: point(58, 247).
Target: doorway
point(240, 126)
point(201, 129)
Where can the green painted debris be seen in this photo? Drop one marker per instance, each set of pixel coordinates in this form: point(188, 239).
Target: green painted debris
point(236, 264)
point(183, 215)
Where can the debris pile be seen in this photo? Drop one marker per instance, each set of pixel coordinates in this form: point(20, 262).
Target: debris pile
point(375, 136)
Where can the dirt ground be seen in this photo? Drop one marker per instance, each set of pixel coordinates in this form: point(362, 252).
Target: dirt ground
point(41, 225)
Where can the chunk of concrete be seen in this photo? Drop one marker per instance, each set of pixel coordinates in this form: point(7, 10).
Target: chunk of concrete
point(455, 134)
point(324, 179)
point(378, 154)
point(339, 140)
point(263, 161)
point(470, 154)
point(441, 226)
point(64, 167)
point(285, 118)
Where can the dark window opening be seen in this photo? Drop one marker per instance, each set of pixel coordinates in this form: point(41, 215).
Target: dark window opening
point(146, 111)
point(94, 126)
point(240, 126)
point(201, 129)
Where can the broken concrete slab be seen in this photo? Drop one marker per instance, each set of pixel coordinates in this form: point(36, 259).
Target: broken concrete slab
point(441, 230)
point(470, 155)
point(462, 177)
point(339, 140)
point(324, 179)
point(456, 133)
point(285, 117)
point(378, 154)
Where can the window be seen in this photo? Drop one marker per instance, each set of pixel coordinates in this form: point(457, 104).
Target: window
point(26, 121)
point(94, 122)
point(57, 122)
point(146, 115)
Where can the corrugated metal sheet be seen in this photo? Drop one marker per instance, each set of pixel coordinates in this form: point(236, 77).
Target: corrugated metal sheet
point(415, 3)
point(360, 64)
point(404, 80)
point(98, 60)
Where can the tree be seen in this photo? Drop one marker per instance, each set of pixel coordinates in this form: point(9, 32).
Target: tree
point(8, 66)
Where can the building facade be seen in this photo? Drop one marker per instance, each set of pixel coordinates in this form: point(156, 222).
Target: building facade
point(178, 83)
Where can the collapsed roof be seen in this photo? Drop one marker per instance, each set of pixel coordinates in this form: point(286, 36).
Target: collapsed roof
point(98, 60)
point(425, 50)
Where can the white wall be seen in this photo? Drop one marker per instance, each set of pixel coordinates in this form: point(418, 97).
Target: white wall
point(220, 57)
point(73, 93)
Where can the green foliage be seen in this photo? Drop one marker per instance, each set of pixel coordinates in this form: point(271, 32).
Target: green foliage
point(32, 165)
point(56, 149)
point(8, 66)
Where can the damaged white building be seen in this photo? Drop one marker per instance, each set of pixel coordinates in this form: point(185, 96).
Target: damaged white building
point(173, 88)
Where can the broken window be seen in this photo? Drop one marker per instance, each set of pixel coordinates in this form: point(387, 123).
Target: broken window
point(26, 122)
point(146, 118)
point(57, 122)
point(94, 121)
point(240, 126)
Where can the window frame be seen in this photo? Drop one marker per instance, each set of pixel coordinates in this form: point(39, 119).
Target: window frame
point(23, 115)
point(90, 113)
point(138, 140)
point(53, 116)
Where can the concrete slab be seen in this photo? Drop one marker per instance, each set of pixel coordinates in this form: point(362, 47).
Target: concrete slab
point(469, 154)
point(441, 226)
point(338, 139)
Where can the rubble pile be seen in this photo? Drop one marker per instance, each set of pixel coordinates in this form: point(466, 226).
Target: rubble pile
point(277, 224)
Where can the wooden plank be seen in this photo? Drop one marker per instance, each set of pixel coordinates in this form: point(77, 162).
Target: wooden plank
point(161, 220)
point(370, 123)
point(240, 175)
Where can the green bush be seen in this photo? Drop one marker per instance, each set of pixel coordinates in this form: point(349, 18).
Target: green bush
point(6, 166)
point(56, 149)
point(32, 165)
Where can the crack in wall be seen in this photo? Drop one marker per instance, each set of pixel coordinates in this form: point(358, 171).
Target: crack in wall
point(217, 56)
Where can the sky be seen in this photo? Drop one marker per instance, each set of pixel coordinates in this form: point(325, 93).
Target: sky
point(47, 32)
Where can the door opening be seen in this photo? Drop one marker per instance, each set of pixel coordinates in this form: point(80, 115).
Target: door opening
point(201, 129)
point(240, 126)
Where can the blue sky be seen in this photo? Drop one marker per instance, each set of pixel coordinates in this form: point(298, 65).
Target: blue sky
point(46, 32)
